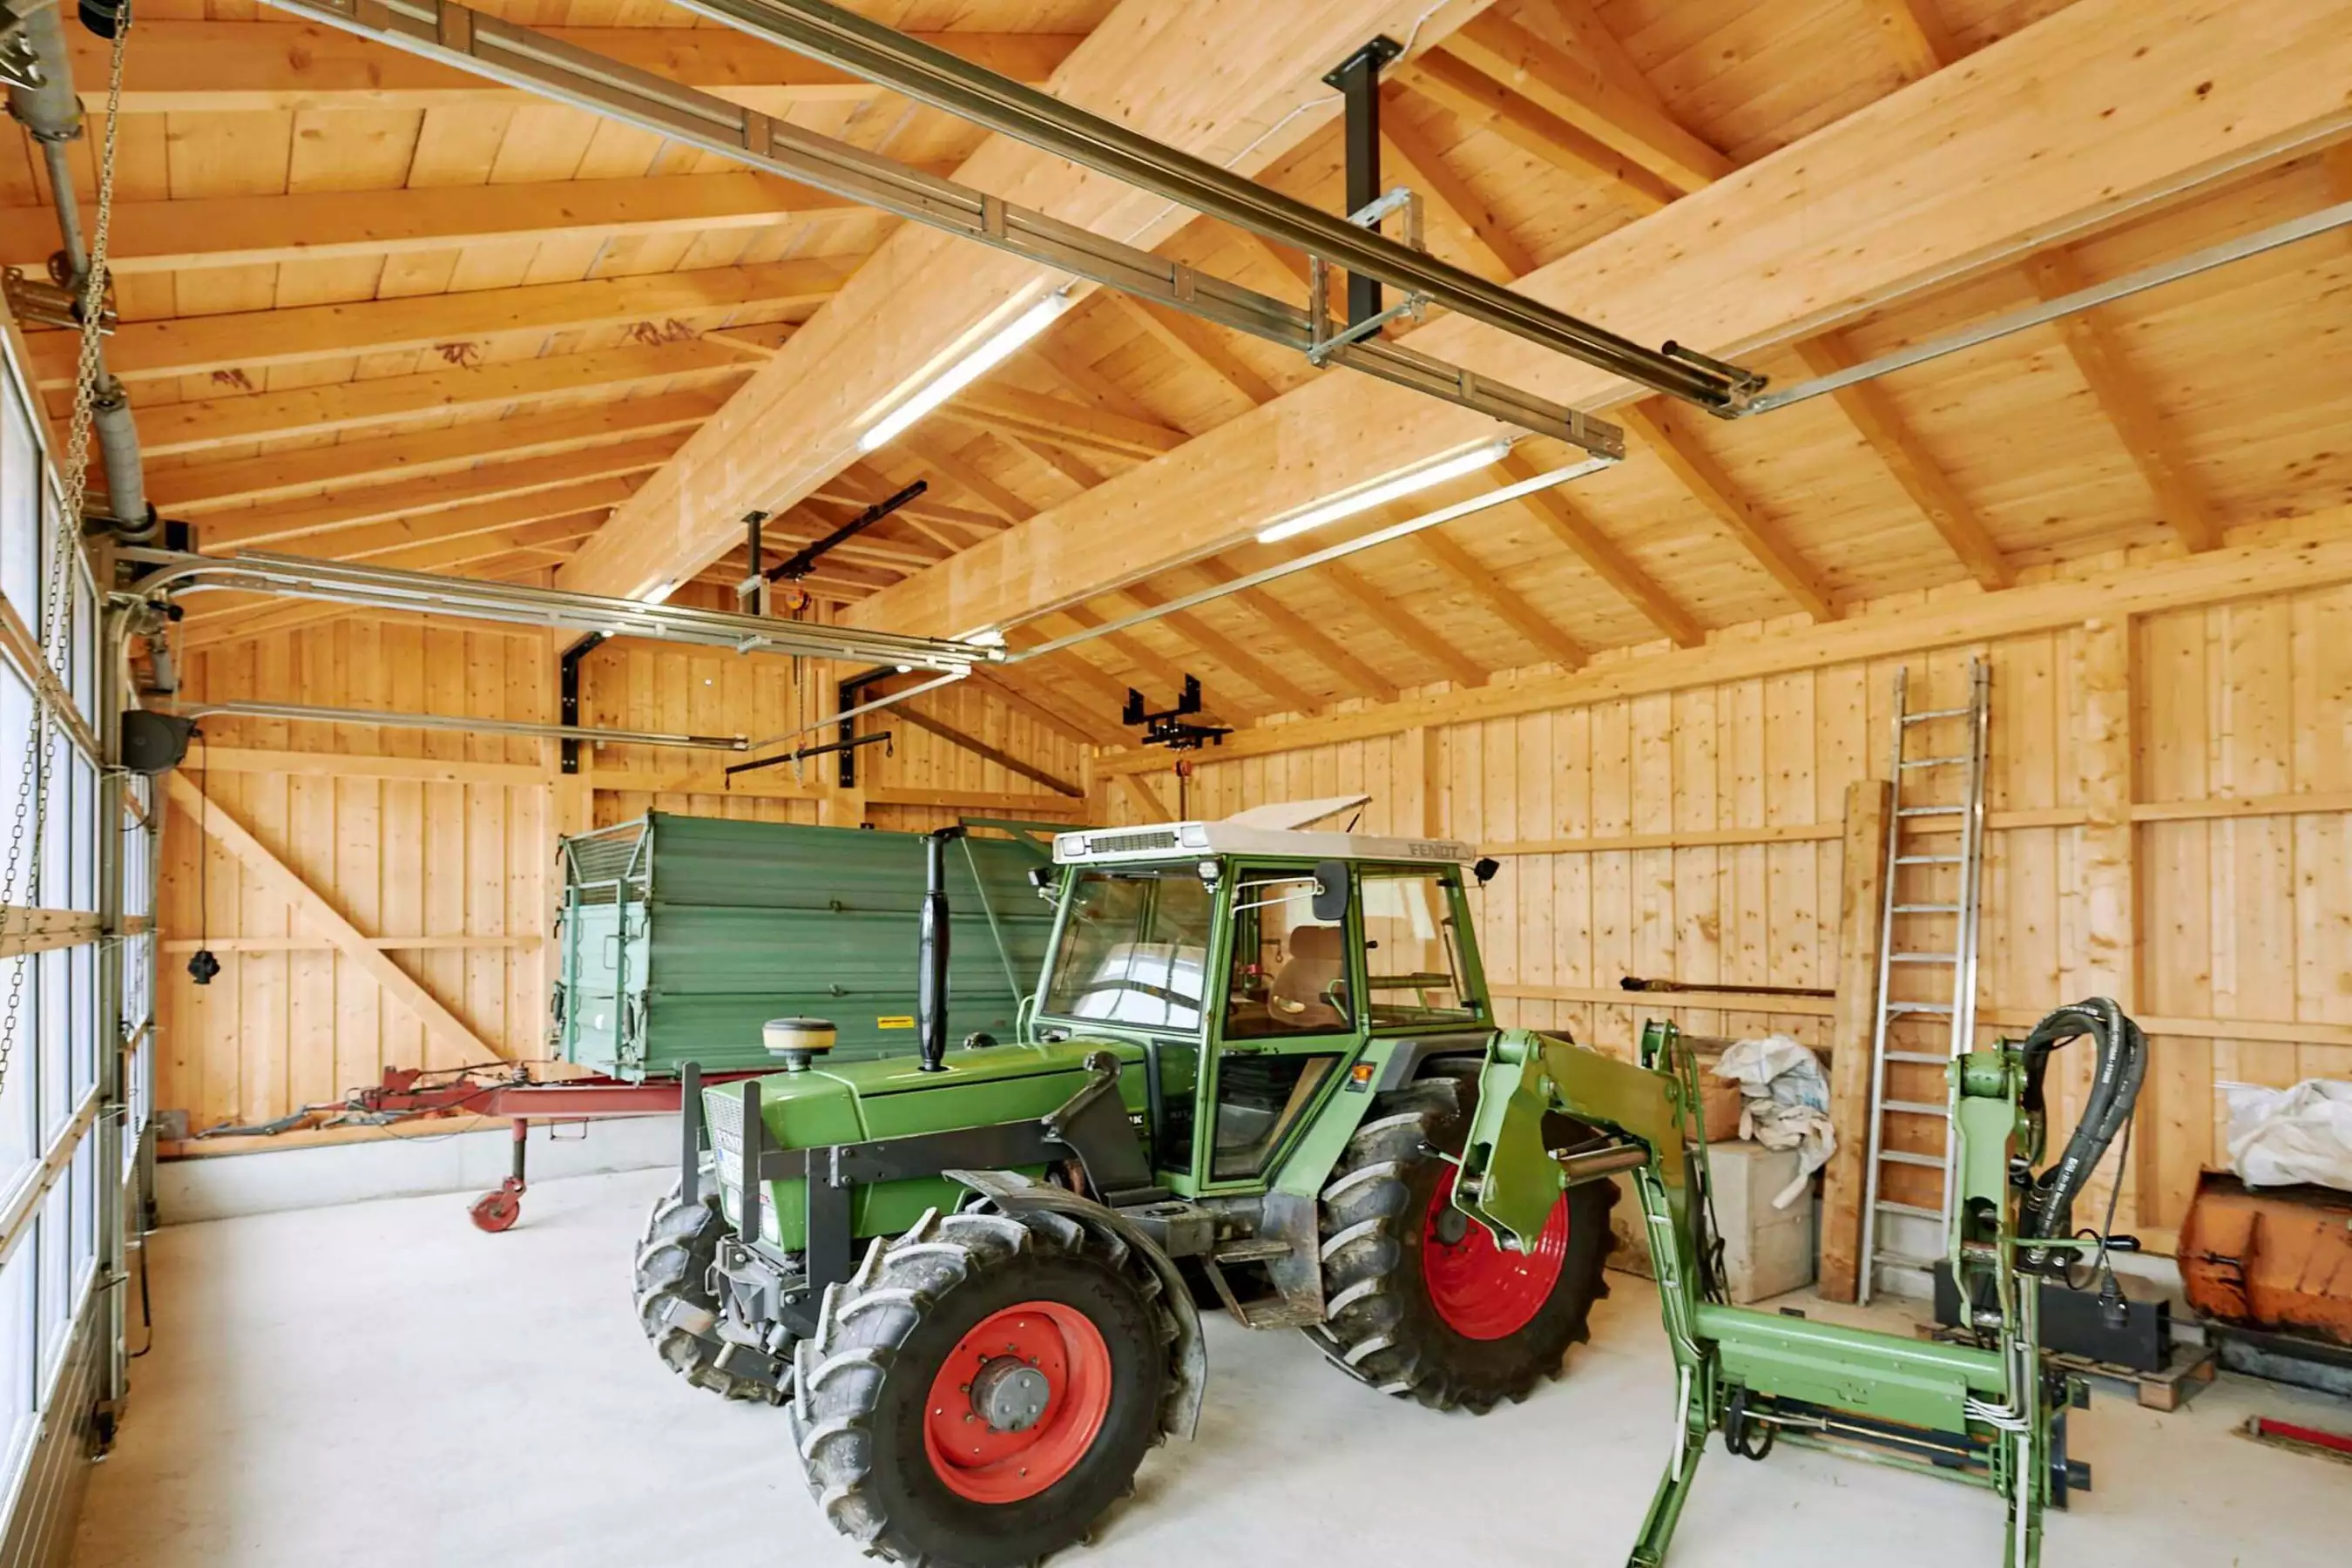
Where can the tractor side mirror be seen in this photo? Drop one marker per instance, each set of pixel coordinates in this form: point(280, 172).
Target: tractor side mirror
point(1484, 868)
point(1042, 878)
point(1331, 891)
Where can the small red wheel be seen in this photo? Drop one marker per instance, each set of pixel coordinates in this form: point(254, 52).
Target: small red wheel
point(1481, 1291)
point(497, 1210)
point(1018, 1401)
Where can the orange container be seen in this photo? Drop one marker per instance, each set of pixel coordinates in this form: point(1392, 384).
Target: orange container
point(2270, 1257)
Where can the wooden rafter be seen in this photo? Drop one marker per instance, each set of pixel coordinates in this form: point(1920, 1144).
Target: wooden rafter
point(1400, 625)
point(1581, 95)
point(1493, 593)
point(313, 911)
point(1304, 634)
point(1890, 439)
point(316, 226)
point(199, 490)
point(209, 67)
point(1258, 672)
point(1018, 766)
point(1561, 519)
point(1068, 423)
point(409, 498)
point(939, 454)
point(1495, 251)
point(1083, 378)
point(1915, 35)
point(454, 522)
point(1198, 344)
point(249, 340)
point(1073, 667)
point(208, 423)
point(1481, 101)
point(998, 685)
point(1139, 653)
point(1082, 475)
point(2124, 398)
point(1663, 430)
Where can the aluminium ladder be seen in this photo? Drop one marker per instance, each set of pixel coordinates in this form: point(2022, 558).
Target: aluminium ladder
point(1932, 883)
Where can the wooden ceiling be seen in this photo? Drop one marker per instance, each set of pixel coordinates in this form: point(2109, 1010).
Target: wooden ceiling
point(375, 311)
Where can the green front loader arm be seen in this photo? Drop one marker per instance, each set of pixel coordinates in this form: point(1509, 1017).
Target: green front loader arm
point(1977, 1413)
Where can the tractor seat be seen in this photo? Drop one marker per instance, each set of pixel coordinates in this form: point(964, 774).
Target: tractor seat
point(1314, 971)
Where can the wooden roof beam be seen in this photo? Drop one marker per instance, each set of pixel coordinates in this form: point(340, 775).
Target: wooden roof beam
point(1482, 102)
point(2124, 398)
point(1508, 604)
point(201, 490)
point(1139, 653)
point(2070, 122)
point(1561, 519)
point(999, 687)
point(1019, 767)
point(318, 226)
point(1666, 431)
point(1883, 429)
point(271, 525)
point(214, 67)
point(253, 339)
point(206, 423)
point(1580, 94)
point(1170, 72)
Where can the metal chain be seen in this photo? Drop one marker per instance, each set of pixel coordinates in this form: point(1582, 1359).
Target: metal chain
point(33, 785)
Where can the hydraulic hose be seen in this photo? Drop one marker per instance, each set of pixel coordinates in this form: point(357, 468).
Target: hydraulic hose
point(2048, 1208)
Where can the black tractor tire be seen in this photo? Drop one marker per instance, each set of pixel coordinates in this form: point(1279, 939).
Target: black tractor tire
point(1382, 1326)
point(864, 1386)
point(674, 1295)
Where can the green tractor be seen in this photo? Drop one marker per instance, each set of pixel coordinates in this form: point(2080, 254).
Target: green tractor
point(1246, 1077)
point(1260, 1069)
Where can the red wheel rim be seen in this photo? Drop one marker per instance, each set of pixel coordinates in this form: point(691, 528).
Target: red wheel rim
point(988, 1464)
point(1480, 1290)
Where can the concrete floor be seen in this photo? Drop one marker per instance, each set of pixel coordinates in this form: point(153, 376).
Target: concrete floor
point(381, 1384)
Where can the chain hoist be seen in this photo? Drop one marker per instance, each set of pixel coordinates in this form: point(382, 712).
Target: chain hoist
point(33, 784)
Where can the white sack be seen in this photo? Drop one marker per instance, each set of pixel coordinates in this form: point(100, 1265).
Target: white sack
point(2280, 1136)
point(1784, 1103)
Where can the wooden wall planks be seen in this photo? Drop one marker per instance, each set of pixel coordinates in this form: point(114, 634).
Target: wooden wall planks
point(290, 1024)
point(2245, 919)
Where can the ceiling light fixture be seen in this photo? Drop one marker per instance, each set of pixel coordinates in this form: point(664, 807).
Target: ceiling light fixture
point(1380, 492)
point(1007, 341)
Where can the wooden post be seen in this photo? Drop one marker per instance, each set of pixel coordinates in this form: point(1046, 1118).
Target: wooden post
point(2109, 872)
point(1861, 895)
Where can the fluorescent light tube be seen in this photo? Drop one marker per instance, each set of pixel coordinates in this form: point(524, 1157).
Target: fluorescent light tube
point(965, 371)
point(1407, 483)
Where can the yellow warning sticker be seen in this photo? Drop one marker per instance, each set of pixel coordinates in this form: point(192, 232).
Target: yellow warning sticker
point(894, 1023)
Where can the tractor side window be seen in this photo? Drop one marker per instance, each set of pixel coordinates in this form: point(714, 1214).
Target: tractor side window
point(1133, 949)
point(1259, 1099)
point(1289, 969)
point(1413, 954)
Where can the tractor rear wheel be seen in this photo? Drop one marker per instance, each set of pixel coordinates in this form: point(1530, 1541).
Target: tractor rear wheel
point(1422, 1303)
point(675, 1304)
point(982, 1390)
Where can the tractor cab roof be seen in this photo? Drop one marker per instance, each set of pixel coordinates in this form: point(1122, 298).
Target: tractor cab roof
point(1279, 829)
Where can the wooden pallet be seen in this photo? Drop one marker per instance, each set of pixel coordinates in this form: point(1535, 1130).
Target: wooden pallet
point(2192, 1368)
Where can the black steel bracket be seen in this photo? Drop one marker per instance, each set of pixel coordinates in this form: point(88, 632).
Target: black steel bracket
point(568, 693)
point(1358, 79)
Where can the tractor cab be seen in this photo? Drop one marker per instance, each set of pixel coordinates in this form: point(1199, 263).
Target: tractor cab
point(1261, 971)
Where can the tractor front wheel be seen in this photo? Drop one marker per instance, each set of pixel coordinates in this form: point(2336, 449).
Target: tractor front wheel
point(982, 1390)
point(675, 1304)
point(1422, 1303)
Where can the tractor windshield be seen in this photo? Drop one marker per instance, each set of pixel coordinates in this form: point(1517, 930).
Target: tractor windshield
point(1134, 949)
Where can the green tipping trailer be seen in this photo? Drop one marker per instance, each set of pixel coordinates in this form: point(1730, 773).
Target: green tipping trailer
point(679, 936)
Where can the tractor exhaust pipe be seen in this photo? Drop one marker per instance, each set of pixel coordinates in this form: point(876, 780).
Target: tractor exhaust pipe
point(931, 955)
